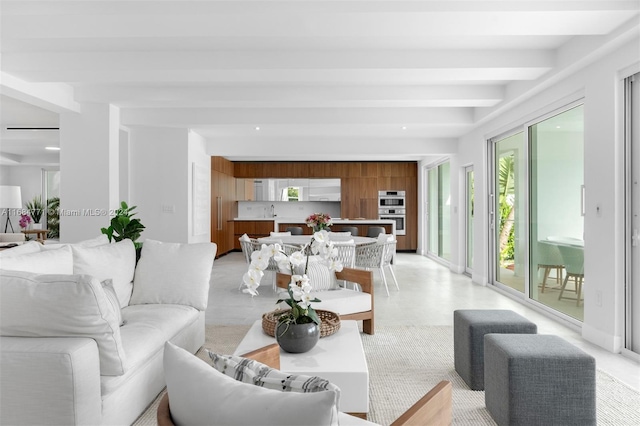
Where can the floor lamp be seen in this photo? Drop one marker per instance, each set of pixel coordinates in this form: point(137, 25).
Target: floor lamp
point(10, 198)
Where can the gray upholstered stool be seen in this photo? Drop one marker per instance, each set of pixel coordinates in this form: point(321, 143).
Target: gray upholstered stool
point(469, 328)
point(537, 379)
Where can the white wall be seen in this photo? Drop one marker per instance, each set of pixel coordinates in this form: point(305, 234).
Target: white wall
point(199, 208)
point(160, 174)
point(89, 185)
point(599, 85)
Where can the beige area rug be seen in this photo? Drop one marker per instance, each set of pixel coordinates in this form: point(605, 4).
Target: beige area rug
point(406, 361)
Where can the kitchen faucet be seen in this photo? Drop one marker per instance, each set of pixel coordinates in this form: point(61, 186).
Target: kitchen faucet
point(273, 211)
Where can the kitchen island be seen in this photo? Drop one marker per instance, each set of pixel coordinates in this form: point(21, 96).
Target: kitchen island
point(261, 227)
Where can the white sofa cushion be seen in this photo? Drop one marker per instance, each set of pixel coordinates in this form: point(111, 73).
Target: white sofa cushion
point(100, 240)
point(342, 301)
point(34, 305)
point(43, 262)
point(199, 395)
point(108, 261)
point(112, 297)
point(174, 273)
point(26, 248)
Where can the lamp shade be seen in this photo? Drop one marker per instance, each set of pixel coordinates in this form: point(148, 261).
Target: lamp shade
point(10, 197)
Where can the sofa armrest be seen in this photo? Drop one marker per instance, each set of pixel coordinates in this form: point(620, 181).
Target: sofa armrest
point(45, 380)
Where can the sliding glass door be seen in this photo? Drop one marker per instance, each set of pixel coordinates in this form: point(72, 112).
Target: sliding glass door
point(509, 211)
point(632, 136)
point(557, 211)
point(439, 214)
point(469, 194)
point(537, 211)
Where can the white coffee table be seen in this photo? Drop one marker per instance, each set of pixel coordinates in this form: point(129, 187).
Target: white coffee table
point(338, 358)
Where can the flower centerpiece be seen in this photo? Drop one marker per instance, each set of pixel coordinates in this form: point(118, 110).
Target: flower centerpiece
point(319, 221)
point(25, 220)
point(299, 292)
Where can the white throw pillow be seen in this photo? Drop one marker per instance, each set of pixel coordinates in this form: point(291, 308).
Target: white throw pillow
point(115, 261)
point(174, 273)
point(201, 395)
point(34, 305)
point(112, 297)
point(321, 277)
point(26, 248)
point(43, 262)
point(258, 374)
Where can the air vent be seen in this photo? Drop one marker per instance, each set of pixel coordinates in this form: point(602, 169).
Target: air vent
point(30, 128)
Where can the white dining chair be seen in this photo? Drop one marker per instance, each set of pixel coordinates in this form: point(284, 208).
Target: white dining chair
point(346, 256)
point(378, 255)
point(573, 260)
point(549, 258)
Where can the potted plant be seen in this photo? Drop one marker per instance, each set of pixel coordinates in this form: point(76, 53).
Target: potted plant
point(53, 217)
point(36, 209)
point(298, 329)
point(124, 226)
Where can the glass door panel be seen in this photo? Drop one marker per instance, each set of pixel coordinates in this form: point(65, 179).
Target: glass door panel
point(444, 207)
point(510, 208)
point(432, 176)
point(439, 211)
point(469, 218)
point(557, 212)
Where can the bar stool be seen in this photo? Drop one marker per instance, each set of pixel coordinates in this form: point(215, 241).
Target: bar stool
point(295, 230)
point(374, 231)
point(352, 229)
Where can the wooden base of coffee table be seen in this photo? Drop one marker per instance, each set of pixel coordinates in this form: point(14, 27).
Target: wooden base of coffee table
point(338, 358)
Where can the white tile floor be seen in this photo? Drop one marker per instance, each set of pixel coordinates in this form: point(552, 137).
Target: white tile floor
point(429, 293)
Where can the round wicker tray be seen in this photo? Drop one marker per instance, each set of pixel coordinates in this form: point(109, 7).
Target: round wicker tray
point(329, 322)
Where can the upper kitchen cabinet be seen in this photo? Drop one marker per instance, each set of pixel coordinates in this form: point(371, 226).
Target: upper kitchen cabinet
point(296, 189)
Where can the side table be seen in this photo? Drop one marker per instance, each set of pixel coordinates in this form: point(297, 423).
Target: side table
point(41, 234)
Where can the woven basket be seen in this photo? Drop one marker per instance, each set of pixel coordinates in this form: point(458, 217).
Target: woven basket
point(329, 322)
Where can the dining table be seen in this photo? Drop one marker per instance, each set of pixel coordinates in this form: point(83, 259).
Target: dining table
point(301, 240)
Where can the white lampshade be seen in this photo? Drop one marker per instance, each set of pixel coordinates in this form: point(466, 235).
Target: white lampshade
point(10, 197)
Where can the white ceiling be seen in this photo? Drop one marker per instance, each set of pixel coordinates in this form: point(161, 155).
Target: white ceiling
point(322, 80)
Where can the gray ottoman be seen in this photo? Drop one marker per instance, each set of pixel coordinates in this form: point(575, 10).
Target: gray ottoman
point(537, 379)
point(469, 328)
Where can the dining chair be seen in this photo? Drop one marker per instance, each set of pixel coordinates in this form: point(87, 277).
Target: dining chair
point(248, 246)
point(378, 255)
point(549, 258)
point(573, 260)
point(294, 230)
point(374, 231)
point(346, 255)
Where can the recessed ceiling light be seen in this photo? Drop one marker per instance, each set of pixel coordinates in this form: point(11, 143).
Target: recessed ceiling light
point(53, 148)
point(257, 128)
point(404, 127)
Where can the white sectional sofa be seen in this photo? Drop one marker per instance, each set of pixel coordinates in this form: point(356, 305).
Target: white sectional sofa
point(82, 331)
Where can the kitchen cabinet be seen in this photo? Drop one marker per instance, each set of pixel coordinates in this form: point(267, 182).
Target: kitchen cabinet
point(223, 196)
point(253, 228)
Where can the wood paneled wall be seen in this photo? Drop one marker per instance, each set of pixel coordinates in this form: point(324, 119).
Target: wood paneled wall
point(360, 183)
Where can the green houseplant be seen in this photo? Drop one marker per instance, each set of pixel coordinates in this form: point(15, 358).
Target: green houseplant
point(124, 226)
point(53, 217)
point(35, 208)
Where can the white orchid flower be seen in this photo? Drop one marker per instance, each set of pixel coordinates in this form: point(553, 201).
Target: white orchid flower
point(271, 250)
point(297, 258)
point(305, 300)
point(334, 265)
point(259, 260)
point(251, 280)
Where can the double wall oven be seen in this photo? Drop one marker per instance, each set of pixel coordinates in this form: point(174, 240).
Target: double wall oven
point(392, 206)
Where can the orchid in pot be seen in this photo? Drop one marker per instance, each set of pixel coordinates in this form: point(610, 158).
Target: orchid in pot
point(299, 293)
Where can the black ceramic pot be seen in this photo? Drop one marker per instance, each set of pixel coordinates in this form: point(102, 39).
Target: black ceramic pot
point(297, 338)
